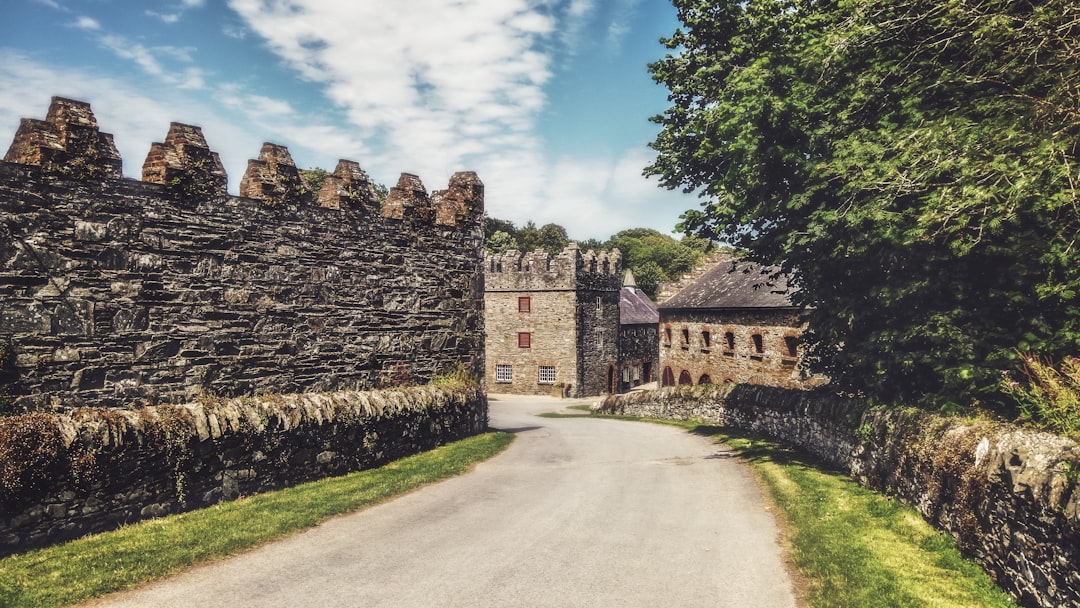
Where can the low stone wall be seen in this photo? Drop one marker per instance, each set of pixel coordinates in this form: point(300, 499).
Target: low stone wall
point(64, 475)
point(1009, 496)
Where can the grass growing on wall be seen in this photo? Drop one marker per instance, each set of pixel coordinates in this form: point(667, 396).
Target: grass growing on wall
point(113, 561)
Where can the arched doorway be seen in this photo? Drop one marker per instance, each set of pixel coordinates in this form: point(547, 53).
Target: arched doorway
point(704, 379)
point(685, 378)
point(669, 377)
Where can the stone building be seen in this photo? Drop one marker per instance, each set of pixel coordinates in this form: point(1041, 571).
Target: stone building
point(729, 321)
point(638, 336)
point(552, 322)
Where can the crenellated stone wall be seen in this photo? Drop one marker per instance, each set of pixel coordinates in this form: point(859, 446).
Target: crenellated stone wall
point(1009, 496)
point(116, 292)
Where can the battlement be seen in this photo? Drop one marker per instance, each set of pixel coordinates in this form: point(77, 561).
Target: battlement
point(119, 292)
point(538, 271)
point(68, 144)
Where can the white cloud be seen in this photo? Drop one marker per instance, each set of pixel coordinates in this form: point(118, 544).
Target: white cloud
point(87, 23)
point(164, 17)
point(438, 82)
point(51, 4)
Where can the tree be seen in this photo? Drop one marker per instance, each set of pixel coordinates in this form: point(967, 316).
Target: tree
point(654, 256)
point(553, 238)
point(529, 237)
point(500, 242)
point(314, 178)
point(912, 166)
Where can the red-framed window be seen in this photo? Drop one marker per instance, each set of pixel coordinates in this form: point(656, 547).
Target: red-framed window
point(524, 339)
point(524, 304)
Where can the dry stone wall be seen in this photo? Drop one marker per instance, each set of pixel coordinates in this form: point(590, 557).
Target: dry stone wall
point(1009, 496)
point(64, 475)
point(116, 292)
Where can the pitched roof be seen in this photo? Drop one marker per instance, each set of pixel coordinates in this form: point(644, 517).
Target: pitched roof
point(635, 308)
point(733, 284)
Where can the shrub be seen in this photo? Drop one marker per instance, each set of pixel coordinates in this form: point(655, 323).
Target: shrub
point(1048, 397)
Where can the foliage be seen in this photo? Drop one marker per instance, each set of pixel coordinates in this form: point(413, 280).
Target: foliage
point(502, 235)
point(96, 565)
point(1047, 396)
point(31, 454)
point(655, 257)
point(912, 166)
point(500, 242)
point(315, 178)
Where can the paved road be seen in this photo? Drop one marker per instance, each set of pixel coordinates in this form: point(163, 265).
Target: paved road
point(577, 512)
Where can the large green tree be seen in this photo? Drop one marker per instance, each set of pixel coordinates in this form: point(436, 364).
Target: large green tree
point(654, 256)
point(911, 163)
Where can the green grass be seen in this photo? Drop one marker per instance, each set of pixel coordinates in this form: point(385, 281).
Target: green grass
point(96, 565)
point(585, 410)
point(855, 547)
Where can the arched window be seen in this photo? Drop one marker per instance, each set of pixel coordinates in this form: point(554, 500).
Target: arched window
point(685, 378)
point(669, 377)
point(704, 379)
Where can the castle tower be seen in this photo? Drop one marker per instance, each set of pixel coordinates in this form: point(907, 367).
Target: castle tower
point(552, 322)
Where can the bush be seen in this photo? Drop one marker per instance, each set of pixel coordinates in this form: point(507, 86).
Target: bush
point(1048, 397)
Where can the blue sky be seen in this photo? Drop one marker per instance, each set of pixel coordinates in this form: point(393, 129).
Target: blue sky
point(548, 100)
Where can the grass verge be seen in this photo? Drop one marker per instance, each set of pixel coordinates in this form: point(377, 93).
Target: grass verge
point(97, 565)
point(855, 547)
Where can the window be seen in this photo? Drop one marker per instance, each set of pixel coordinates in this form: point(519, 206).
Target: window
point(504, 373)
point(759, 347)
point(525, 304)
point(729, 340)
point(667, 336)
point(791, 346)
point(599, 304)
point(668, 377)
point(706, 341)
point(685, 339)
point(524, 339)
point(546, 374)
point(685, 379)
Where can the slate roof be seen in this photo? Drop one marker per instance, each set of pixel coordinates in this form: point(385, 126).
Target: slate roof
point(733, 284)
point(635, 308)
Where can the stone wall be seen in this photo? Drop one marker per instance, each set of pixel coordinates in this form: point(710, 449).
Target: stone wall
point(116, 292)
point(1010, 496)
point(64, 475)
point(572, 320)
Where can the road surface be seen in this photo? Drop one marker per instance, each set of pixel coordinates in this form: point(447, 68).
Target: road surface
point(577, 512)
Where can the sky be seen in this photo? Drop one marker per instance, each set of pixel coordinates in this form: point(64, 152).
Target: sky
point(547, 100)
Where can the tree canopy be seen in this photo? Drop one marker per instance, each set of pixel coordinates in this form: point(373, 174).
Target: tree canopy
point(911, 164)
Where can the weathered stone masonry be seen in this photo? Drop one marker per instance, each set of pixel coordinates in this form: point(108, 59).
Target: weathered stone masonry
point(119, 292)
point(1010, 496)
point(93, 469)
point(567, 305)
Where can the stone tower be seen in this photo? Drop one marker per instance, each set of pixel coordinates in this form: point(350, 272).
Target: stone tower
point(552, 322)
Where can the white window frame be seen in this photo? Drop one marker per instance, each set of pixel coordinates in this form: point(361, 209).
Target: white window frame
point(504, 373)
point(545, 374)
